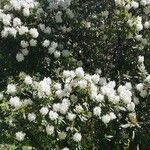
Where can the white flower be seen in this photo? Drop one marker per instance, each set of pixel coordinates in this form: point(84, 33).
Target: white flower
point(131, 106)
point(33, 32)
point(63, 108)
point(26, 12)
point(20, 136)
point(56, 107)
point(65, 53)
point(25, 51)
point(69, 13)
point(12, 31)
point(53, 115)
point(15, 102)
point(59, 93)
point(126, 98)
point(19, 57)
point(102, 81)
point(33, 42)
point(143, 2)
point(111, 84)
point(57, 86)
point(78, 108)
point(16, 22)
point(98, 71)
point(79, 72)
point(4, 32)
point(144, 41)
point(86, 24)
point(120, 2)
point(73, 98)
point(114, 98)
point(66, 74)
point(106, 119)
point(139, 26)
point(140, 86)
point(141, 59)
point(6, 19)
point(147, 24)
point(106, 90)
point(97, 111)
point(93, 95)
point(28, 102)
point(46, 43)
point(134, 4)
point(71, 116)
point(23, 30)
point(49, 130)
point(143, 93)
point(128, 86)
point(51, 50)
point(22, 75)
point(47, 30)
point(44, 111)
point(66, 101)
point(138, 37)
point(62, 135)
point(58, 17)
point(57, 54)
point(67, 88)
point(77, 137)
point(100, 98)
point(11, 89)
point(54, 45)
point(42, 26)
point(82, 84)
point(15, 5)
point(24, 44)
point(95, 78)
point(44, 88)
point(112, 116)
point(28, 80)
point(31, 117)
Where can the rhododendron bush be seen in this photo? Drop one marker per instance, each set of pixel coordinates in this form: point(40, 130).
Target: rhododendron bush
point(74, 74)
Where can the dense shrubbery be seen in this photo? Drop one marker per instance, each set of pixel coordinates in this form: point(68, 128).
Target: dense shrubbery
point(74, 74)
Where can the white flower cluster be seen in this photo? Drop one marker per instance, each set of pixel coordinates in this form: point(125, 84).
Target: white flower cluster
point(44, 88)
point(15, 26)
point(15, 101)
point(143, 88)
point(139, 21)
point(61, 102)
point(11, 89)
point(77, 137)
